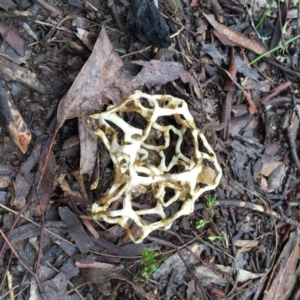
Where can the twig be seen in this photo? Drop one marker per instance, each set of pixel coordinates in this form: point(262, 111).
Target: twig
point(274, 49)
point(161, 241)
point(169, 287)
point(57, 27)
point(15, 14)
point(293, 147)
point(113, 9)
point(286, 70)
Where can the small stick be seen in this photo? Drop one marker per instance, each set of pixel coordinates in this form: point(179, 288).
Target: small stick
point(113, 9)
point(15, 14)
point(293, 147)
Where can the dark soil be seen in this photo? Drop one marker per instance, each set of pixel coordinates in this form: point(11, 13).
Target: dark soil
point(242, 239)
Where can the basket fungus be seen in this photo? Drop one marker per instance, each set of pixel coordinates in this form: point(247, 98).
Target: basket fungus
point(164, 155)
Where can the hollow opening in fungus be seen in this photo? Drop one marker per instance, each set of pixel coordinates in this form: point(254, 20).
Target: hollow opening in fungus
point(162, 163)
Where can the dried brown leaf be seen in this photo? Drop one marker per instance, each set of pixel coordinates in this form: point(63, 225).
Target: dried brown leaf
point(103, 80)
point(98, 265)
point(97, 74)
point(76, 230)
point(237, 37)
point(284, 280)
point(23, 179)
point(11, 71)
point(56, 288)
point(158, 72)
point(44, 176)
point(245, 244)
point(100, 276)
point(224, 40)
point(13, 39)
point(269, 167)
point(90, 227)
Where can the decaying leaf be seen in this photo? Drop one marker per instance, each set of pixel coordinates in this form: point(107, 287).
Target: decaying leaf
point(269, 167)
point(174, 261)
point(246, 244)
point(284, 279)
point(158, 72)
point(102, 80)
point(13, 39)
point(46, 182)
point(237, 37)
point(11, 71)
point(86, 93)
point(56, 288)
point(101, 276)
point(76, 230)
point(23, 179)
point(206, 274)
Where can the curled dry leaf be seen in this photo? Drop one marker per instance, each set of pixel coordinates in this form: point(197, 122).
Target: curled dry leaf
point(237, 37)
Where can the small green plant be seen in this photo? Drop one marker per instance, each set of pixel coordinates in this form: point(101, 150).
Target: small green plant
point(281, 46)
point(150, 263)
point(215, 237)
point(200, 223)
point(209, 200)
point(264, 15)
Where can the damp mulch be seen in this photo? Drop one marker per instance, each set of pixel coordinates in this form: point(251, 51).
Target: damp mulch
point(237, 68)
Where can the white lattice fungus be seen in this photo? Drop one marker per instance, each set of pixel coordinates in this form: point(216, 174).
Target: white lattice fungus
point(161, 167)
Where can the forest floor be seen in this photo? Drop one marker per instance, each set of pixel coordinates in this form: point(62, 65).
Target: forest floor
point(206, 208)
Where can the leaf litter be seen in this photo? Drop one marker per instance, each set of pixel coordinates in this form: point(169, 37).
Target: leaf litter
point(258, 152)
